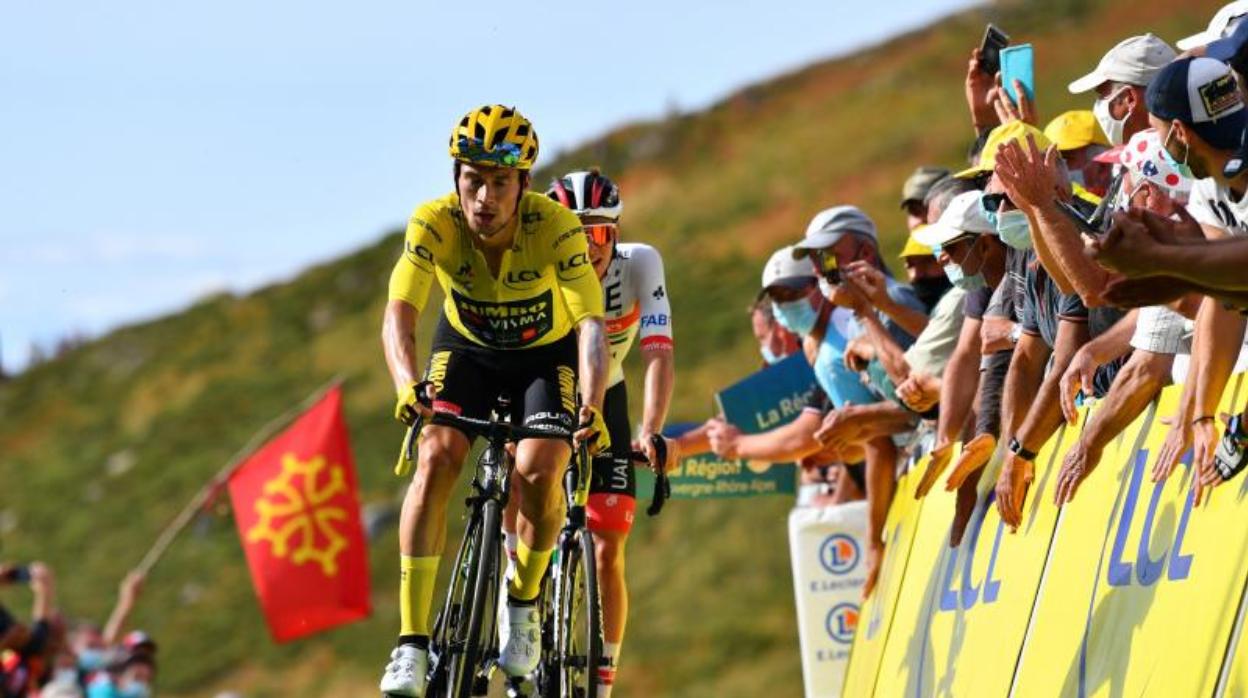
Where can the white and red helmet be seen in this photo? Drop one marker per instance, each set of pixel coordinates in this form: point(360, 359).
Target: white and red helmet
point(588, 193)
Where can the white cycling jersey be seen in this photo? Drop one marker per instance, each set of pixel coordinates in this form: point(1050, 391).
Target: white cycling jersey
point(635, 296)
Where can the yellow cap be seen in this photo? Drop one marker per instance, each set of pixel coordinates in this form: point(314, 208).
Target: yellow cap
point(999, 136)
point(1075, 129)
point(914, 248)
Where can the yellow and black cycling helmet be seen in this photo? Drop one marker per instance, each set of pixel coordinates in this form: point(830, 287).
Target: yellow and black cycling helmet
point(497, 136)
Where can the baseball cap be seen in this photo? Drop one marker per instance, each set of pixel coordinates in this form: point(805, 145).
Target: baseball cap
point(1075, 129)
point(999, 136)
point(920, 182)
point(1143, 157)
point(783, 269)
point(830, 225)
point(1134, 61)
point(136, 639)
point(914, 248)
point(1202, 93)
point(963, 215)
point(1231, 50)
point(1218, 26)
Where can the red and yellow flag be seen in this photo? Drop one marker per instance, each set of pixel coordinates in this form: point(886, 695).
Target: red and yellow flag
point(296, 503)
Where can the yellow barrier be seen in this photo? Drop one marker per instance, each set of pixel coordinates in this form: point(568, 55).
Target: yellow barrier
point(1126, 591)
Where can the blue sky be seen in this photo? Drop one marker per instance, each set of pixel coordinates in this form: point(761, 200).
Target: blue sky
point(153, 152)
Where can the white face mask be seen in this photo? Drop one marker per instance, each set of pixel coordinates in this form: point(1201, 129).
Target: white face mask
point(1112, 127)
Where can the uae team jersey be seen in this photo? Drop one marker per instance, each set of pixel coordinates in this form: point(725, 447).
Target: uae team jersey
point(636, 303)
point(545, 283)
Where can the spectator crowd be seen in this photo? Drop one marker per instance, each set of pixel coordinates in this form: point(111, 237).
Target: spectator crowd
point(50, 657)
point(1096, 256)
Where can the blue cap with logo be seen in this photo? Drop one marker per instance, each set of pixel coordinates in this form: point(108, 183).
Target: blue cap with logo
point(1202, 93)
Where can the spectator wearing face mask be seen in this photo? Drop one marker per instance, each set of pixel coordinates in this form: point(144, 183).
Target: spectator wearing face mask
point(914, 193)
point(1151, 184)
point(1119, 82)
point(791, 287)
point(1198, 111)
point(131, 678)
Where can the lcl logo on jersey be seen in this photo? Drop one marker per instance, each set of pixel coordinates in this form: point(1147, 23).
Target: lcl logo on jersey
point(839, 554)
point(841, 622)
point(521, 276)
point(579, 259)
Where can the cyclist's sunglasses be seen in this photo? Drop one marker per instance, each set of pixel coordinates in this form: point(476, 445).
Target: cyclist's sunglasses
point(600, 233)
point(503, 154)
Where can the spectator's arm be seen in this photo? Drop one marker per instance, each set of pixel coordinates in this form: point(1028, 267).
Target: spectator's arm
point(43, 587)
point(959, 384)
point(890, 354)
point(1044, 414)
point(881, 484)
point(1022, 382)
point(786, 443)
point(1216, 264)
point(1134, 387)
point(693, 442)
point(127, 594)
point(871, 283)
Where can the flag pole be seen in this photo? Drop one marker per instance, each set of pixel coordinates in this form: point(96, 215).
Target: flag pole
point(184, 517)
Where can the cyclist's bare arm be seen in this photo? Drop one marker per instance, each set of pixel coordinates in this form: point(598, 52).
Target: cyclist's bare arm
point(398, 339)
point(660, 380)
point(594, 359)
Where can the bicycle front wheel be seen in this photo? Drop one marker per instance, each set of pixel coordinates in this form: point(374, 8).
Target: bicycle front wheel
point(484, 584)
point(580, 619)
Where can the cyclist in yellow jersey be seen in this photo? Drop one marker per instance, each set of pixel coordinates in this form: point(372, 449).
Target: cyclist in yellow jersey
point(518, 281)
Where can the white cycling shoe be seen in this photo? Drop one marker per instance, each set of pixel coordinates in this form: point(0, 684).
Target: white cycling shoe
point(520, 641)
point(406, 673)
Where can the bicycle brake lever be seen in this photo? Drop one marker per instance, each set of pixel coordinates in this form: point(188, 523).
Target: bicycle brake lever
point(662, 486)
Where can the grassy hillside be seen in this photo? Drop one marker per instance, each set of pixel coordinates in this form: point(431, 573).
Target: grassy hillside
point(99, 449)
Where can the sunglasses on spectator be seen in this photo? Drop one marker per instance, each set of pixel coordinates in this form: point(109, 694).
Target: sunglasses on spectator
point(600, 233)
point(992, 202)
point(783, 294)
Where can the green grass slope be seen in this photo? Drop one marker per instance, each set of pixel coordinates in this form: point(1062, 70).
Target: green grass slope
point(100, 448)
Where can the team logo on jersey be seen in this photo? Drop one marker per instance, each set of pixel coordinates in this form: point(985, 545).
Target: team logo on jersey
point(418, 254)
point(658, 293)
point(576, 261)
point(517, 278)
point(506, 325)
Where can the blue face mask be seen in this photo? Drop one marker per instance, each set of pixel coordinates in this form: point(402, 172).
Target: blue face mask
point(974, 282)
point(135, 690)
point(1014, 229)
point(1182, 168)
point(768, 355)
point(91, 659)
point(797, 316)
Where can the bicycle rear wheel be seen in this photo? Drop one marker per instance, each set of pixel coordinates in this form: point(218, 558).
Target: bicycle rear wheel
point(579, 625)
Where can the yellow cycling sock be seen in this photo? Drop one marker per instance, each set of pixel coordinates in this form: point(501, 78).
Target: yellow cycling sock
point(530, 566)
point(417, 577)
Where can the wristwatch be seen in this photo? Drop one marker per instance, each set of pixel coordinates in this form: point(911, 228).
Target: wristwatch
point(1016, 447)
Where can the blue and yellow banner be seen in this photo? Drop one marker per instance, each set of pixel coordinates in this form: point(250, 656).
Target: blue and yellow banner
point(1127, 590)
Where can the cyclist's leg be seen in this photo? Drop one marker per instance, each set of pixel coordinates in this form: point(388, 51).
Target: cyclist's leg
point(461, 382)
point(612, 500)
point(544, 381)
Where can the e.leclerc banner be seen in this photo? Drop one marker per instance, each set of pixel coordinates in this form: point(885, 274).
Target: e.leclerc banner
point(768, 398)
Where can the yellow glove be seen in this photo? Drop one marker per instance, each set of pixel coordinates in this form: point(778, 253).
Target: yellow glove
point(406, 409)
point(599, 442)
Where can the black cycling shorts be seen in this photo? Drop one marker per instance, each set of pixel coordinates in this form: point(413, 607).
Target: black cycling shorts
point(613, 487)
point(540, 382)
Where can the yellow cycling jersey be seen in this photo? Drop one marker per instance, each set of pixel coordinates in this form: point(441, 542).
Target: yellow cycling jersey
point(545, 284)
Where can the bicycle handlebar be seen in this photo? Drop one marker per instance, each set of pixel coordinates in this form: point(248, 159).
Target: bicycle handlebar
point(662, 486)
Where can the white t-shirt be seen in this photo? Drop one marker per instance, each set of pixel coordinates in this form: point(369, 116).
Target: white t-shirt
point(635, 296)
point(1214, 205)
